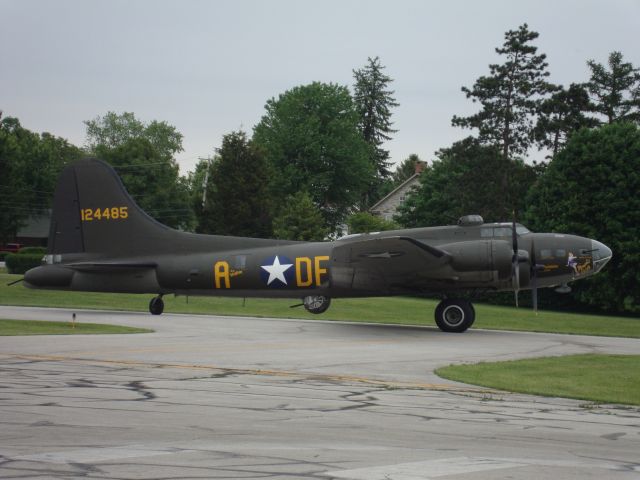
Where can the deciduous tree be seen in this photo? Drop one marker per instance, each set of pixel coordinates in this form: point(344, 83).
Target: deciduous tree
point(364, 222)
point(143, 154)
point(589, 189)
point(113, 130)
point(29, 168)
point(312, 142)
point(467, 179)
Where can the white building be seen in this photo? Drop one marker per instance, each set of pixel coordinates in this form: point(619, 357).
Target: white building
point(387, 207)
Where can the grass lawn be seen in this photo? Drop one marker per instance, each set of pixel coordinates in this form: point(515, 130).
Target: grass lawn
point(395, 310)
point(36, 327)
point(597, 378)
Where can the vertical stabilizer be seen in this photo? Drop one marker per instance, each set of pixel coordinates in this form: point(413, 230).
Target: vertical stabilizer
point(94, 214)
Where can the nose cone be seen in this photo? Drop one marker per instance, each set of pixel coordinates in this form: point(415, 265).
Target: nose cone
point(601, 255)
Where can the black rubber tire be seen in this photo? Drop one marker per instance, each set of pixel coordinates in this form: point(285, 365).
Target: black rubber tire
point(316, 304)
point(455, 315)
point(156, 306)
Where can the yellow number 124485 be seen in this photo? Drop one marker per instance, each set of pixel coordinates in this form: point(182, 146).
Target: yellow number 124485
point(107, 213)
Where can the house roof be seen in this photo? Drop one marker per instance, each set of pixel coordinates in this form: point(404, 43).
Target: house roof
point(394, 191)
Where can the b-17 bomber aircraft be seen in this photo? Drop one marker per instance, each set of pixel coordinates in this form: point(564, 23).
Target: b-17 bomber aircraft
point(101, 241)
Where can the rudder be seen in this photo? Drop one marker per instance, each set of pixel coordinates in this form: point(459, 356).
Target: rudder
point(93, 213)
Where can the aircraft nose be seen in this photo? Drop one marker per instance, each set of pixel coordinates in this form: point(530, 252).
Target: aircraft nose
point(601, 255)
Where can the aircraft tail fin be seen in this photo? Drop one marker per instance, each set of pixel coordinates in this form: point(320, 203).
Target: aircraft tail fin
point(93, 213)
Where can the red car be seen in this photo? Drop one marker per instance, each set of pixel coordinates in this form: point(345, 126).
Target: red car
point(11, 247)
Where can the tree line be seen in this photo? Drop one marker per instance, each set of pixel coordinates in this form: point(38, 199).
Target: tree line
point(317, 159)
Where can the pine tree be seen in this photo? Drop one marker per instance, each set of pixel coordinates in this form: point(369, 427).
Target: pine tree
point(561, 115)
point(615, 92)
point(300, 219)
point(240, 202)
point(510, 96)
point(374, 101)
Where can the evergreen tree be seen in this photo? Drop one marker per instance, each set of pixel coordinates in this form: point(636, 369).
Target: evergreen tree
point(510, 96)
point(374, 100)
point(615, 92)
point(238, 200)
point(562, 114)
point(300, 219)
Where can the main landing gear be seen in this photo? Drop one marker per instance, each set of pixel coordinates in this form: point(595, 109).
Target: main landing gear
point(156, 305)
point(455, 315)
point(316, 303)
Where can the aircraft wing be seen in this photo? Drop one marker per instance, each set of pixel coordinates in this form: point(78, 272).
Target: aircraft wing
point(386, 261)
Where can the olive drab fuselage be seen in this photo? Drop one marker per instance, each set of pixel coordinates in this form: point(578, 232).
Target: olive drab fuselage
point(101, 240)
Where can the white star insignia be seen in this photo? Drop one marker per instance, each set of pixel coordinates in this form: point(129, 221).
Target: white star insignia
point(276, 270)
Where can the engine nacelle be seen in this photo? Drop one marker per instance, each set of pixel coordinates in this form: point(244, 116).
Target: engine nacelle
point(488, 255)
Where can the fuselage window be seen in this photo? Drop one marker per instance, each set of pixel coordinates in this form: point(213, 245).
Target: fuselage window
point(546, 254)
point(239, 262)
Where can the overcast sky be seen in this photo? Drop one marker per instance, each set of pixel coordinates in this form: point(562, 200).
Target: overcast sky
point(208, 67)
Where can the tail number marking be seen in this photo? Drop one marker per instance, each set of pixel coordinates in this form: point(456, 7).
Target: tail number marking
point(107, 213)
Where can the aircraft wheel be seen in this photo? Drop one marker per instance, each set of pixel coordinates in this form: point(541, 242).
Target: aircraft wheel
point(156, 305)
point(455, 315)
point(316, 303)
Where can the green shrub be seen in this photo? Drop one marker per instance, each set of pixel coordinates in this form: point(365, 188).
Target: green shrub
point(2, 255)
point(21, 262)
point(38, 250)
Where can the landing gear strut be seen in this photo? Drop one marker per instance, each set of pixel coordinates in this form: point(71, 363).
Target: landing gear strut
point(156, 305)
point(455, 315)
point(316, 303)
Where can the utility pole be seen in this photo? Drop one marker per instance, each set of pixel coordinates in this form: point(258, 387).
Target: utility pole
point(206, 180)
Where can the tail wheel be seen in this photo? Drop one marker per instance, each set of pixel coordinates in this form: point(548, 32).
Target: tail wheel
point(455, 315)
point(316, 303)
point(156, 305)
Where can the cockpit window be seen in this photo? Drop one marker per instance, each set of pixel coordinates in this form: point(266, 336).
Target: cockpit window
point(502, 232)
point(488, 232)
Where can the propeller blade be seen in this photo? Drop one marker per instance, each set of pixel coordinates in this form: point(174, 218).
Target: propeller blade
point(534, 277)
point(514, 235)
point(515, 264)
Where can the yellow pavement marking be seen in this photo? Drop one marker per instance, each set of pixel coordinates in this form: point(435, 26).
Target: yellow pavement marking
point(257, 371)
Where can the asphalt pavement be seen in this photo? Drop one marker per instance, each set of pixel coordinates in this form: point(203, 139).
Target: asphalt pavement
point(242, 397)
